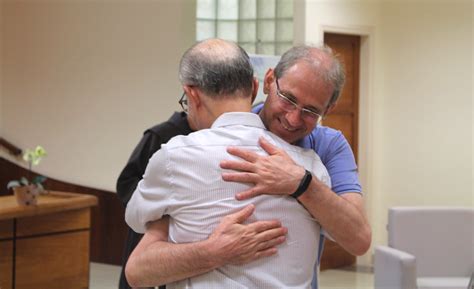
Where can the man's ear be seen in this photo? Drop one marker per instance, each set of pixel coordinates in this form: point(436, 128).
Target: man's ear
point(193, 94)
point(268, 80)
point(330, 108)
point(254, 89)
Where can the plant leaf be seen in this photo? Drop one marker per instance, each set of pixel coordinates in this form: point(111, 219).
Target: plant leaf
point(24, 181)
point(28, 155)
point(40, 187)
point(12, 184)
point(39, 179)
point(40, 151)
point(36, 160)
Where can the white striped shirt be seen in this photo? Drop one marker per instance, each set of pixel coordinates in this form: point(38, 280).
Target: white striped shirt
point(183, 180)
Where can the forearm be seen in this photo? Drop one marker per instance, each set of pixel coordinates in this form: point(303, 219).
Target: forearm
point(342, 217)
point(176, 262)
point(155, 261)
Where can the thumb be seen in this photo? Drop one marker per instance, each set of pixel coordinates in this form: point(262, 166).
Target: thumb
point(267, 146)
point(242, 215)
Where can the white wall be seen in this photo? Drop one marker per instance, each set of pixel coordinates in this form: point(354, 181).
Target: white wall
point(416, 99)
point(323, 15)
point(86, 78)
point(424, 125)
point(472, 96)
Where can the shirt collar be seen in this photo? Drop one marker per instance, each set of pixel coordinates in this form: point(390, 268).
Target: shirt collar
point(238, 118)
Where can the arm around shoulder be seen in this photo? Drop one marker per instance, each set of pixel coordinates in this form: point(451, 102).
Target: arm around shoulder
point(156, 261)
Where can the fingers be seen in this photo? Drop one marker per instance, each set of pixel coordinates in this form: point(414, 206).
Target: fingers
point(247, 155)
point(266, 245)
point(273, 239)
point(242, 215)
point(265, 253)
point(267, 146)
point(237, 166)
point(239, 177)
point(262, 226)
point(271, 243)
point(250, 193)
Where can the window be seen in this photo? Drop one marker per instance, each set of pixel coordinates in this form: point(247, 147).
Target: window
point(259, 26)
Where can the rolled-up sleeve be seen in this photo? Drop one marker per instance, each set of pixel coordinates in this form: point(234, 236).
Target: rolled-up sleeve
point(153, 194)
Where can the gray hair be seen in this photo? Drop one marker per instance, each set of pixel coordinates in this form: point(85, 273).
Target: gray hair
point(325, 63)
point(218, 67)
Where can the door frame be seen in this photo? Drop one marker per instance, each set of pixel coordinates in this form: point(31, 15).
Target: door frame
point(366, 102)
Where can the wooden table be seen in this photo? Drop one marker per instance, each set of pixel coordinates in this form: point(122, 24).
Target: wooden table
point(47, 245)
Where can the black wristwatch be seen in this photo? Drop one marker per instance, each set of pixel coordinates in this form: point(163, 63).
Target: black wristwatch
point(304, 184)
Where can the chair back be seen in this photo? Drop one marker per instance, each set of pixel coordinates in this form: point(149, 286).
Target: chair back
point(441, 238)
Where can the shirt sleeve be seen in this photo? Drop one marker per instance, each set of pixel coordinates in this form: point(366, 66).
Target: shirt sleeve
point(133, 171)
point(153, 194)
point(341, 166)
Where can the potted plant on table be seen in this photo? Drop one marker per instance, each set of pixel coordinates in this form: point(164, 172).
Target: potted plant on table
point(25, 189)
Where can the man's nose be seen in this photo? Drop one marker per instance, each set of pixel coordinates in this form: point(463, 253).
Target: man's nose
point(294, 117)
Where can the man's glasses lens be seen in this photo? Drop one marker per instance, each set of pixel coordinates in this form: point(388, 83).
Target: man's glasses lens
point(290, 105)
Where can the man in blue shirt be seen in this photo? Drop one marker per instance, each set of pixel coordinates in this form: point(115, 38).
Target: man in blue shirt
point(302, 89)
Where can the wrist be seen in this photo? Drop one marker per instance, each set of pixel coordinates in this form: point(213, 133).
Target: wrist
point(297, 176)
point(209, 254)
point(317, 192)
point(303, 185)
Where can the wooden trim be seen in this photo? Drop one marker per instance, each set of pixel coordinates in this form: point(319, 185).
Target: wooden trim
point(108, 228)
point(12, 149)
point(50, 203)
point(345, 117)
point(53, 233)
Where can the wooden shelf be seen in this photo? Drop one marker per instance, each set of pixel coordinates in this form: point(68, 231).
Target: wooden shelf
point(47, 245)
point(50, 203)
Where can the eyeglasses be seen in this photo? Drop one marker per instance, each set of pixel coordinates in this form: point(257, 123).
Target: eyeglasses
point(183, 101)
point(290, 105)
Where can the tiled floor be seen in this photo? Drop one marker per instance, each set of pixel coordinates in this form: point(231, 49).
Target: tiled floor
point(347, 278)
point(106, 277)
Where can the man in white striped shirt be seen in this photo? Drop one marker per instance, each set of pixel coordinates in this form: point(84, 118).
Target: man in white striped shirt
point(183, 181)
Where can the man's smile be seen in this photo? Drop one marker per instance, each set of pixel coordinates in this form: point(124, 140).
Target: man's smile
point(287, 126)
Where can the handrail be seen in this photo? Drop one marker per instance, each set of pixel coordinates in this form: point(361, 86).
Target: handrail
point(14, 150)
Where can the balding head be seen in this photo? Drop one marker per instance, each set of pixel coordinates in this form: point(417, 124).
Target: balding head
point(219, 68)
point(326, 66)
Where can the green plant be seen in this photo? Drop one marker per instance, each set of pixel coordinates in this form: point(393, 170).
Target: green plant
point(33, 158)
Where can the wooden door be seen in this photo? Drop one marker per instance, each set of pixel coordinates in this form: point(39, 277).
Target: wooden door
point(345, 117)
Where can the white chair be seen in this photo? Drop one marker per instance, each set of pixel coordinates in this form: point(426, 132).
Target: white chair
point(428, 248)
